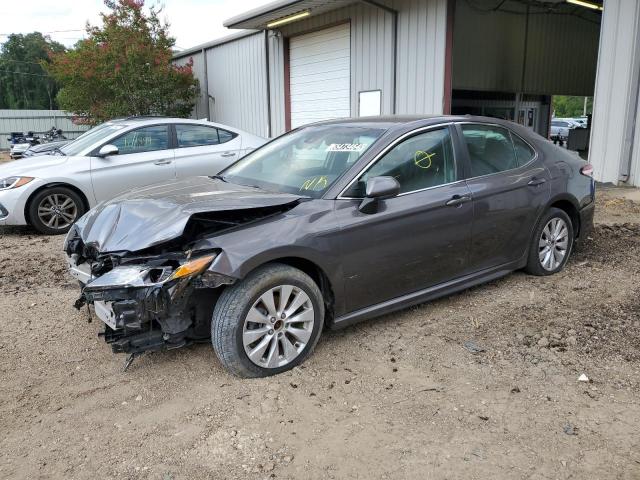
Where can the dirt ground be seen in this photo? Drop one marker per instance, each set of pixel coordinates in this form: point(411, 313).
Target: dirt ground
point(397, 397)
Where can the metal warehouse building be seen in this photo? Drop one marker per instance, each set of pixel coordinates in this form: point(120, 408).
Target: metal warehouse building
point(300, 61)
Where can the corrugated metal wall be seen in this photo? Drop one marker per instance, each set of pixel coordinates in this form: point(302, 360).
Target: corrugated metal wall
point(200, 110)
point(276, 73)
point(371, 53)
point(421, 55)
point(237, 76)
point(422, 29)
point(37, 121)
point(615, 136)
point(562, 55)
point(489, 50)
point(238, 84)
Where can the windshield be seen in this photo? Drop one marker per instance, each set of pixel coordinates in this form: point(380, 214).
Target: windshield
point(307, 161)
point(90, 137)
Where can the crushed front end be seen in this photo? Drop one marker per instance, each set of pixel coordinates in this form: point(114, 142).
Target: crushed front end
point(155, 301)
point(146, 262)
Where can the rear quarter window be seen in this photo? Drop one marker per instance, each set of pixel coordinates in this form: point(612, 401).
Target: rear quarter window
point(524, 153)
point(226, 136)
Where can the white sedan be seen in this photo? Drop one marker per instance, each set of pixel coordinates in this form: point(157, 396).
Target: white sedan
point(51, 192)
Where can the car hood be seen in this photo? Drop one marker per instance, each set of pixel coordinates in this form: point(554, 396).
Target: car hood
point(31, 165)
point(46, 147)
point(153, 215)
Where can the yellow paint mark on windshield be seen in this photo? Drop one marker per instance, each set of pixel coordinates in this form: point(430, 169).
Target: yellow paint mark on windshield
point(315, 183)
point(423, 159)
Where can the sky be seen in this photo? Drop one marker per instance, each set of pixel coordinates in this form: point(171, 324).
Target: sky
point(192, 22)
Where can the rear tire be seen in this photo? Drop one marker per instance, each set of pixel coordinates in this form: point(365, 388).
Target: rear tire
point(53, 210)
point(551, 244)
point(268, 323)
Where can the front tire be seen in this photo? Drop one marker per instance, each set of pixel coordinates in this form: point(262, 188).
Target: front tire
point(53, 210)
point(268, 323)
point(551, 244)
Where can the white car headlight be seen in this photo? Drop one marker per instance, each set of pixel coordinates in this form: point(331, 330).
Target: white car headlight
point(14, 182)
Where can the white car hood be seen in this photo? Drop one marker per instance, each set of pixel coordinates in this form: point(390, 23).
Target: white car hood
point(20, 147)
point(31, 166)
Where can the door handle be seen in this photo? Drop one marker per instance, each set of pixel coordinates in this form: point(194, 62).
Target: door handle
point(228, 154)
point(458, 200)
point(166, 161)
point(534, 182)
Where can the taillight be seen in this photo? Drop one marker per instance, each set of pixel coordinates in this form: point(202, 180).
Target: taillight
point(587, 170)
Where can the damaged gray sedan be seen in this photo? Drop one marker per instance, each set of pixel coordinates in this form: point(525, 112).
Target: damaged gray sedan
point(327, 225)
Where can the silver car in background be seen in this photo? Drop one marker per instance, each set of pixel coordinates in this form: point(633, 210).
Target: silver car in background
point(49, 192)
point(49, 148)
point(560, 128)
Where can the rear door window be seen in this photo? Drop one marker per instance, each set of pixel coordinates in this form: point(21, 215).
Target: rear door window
point(490, 149)
point(196, 135)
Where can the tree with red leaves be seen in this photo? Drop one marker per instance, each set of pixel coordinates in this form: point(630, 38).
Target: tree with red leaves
point(124, 68)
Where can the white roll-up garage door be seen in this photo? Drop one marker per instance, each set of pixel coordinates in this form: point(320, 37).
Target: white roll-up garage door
point(319, 65)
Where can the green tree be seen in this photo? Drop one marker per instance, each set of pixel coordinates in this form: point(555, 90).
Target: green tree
point(124, 68)
point(566, 106)
point(24, 83)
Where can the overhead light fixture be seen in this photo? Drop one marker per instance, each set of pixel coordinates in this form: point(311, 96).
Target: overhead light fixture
point(289, 19)
point(587, 4)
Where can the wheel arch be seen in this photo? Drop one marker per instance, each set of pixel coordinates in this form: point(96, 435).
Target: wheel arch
point(317, 274)
point(569, 206)
point(83, 196)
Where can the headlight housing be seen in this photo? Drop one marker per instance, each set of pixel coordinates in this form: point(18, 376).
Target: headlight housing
point(134, 276)
point(192, 267)
point(14, 182)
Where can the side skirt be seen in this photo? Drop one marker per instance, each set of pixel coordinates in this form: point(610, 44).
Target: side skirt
point(428, 294)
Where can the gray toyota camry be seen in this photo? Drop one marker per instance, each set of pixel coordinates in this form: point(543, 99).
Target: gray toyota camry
point(327, 225)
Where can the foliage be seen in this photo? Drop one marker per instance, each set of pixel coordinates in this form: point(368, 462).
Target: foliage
point(570, 107)
point(24, 84)
point(124, 68)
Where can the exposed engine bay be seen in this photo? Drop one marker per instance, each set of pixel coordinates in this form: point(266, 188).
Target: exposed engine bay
point(160, 296)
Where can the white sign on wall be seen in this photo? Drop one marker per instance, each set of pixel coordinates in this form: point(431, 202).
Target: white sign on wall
point(369, 103)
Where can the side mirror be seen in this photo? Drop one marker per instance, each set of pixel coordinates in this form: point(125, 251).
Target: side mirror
point(378, 188)
point(107, 150)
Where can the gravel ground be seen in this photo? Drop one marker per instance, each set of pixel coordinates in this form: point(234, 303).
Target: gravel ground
point(397, 397)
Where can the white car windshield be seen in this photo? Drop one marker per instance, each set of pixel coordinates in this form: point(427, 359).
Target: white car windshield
point(91, 137)
point(307, 161)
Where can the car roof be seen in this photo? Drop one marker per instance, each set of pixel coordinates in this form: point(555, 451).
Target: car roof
point(155, 120)
point(137, 121)
point(402, 121)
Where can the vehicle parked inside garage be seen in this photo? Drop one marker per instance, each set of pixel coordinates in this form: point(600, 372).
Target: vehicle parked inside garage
point(329, 224)
point(51, 192)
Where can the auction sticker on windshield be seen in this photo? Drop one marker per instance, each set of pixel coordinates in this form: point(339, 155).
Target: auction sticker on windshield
point(346, 147)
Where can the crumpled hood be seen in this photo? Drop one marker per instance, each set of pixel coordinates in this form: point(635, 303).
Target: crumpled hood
point(152, 215)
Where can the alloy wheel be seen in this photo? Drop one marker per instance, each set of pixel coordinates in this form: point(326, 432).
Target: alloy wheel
point(278, 326)
point(553, 244)
point(57, 211)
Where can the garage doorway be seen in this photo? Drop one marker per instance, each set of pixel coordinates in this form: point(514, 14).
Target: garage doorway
point(320, 75)
point(510, 57)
